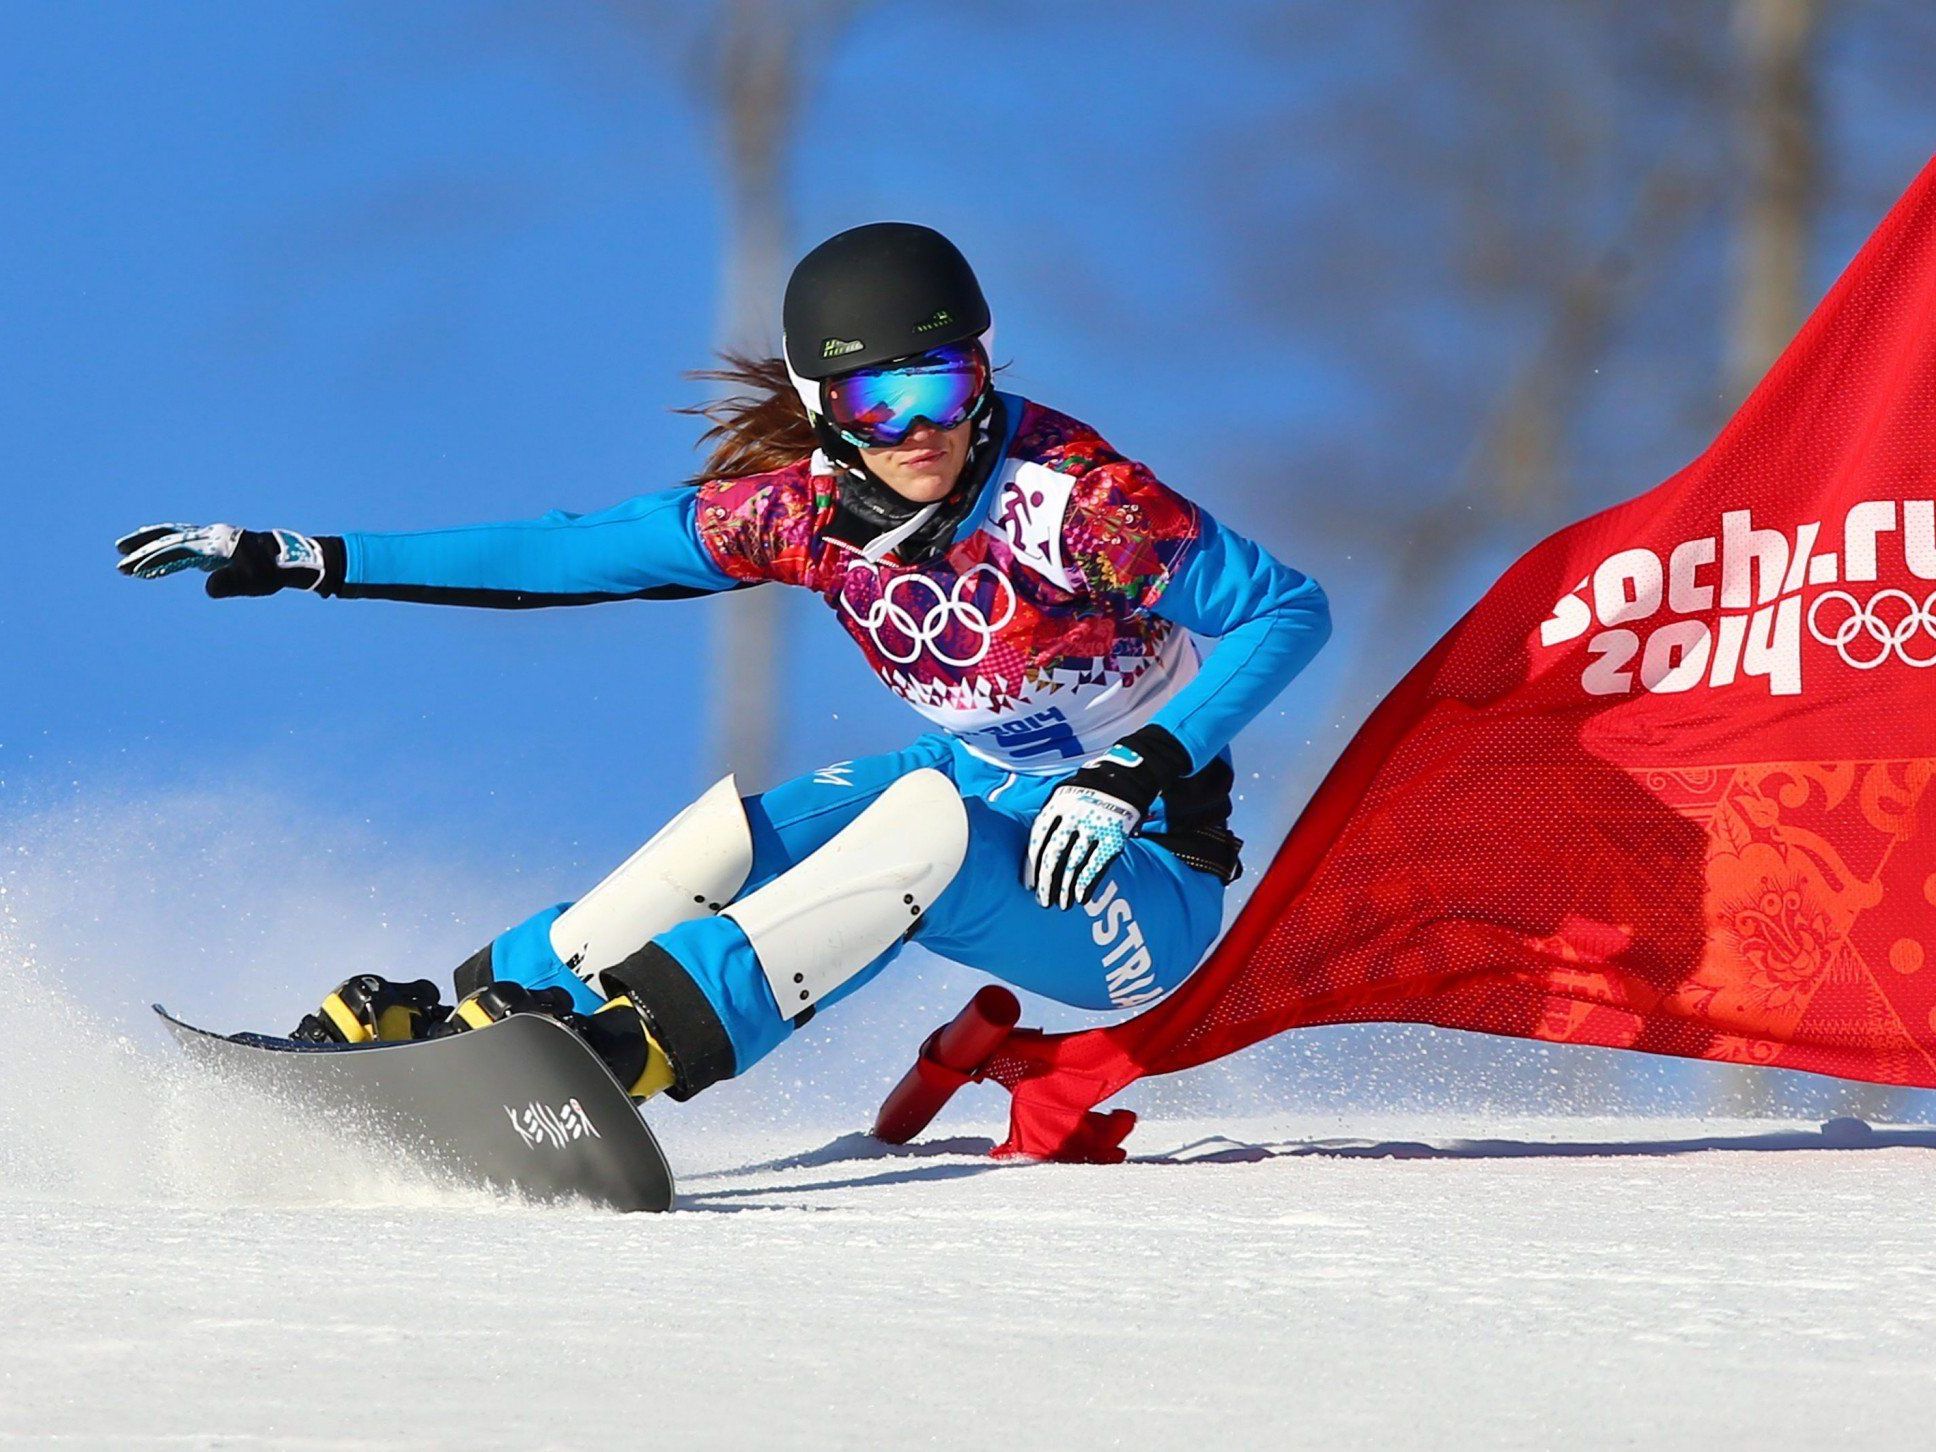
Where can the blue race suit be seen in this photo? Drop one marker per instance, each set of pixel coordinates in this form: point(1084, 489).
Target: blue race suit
point(1061, 617)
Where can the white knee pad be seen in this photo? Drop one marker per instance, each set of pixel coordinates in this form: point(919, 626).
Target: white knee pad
point(690, 868)
point(816, 926)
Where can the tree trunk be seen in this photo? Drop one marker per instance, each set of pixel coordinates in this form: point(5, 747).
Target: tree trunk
point(757, 98)
point(1780, 123)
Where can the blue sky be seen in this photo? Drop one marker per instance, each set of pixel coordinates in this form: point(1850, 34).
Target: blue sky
point(389, 267)
point(372, 266)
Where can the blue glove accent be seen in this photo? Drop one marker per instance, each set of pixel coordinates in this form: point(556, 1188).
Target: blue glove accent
point(643, 547)
point(1268, 621)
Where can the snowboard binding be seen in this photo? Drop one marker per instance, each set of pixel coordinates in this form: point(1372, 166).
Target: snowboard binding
point(617, 1032)
point(367, 1009)
point(497, 1001)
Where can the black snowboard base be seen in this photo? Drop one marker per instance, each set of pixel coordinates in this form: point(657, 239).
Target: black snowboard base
point(522, 1105)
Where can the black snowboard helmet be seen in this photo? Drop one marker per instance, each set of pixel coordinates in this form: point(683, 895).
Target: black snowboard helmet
point(875, 293)
point(868, 296)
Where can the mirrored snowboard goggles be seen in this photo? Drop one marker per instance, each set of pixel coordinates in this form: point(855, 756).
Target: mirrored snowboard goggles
point(877, 408)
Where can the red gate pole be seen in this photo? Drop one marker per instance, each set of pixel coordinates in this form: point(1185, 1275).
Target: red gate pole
point(953, 1055)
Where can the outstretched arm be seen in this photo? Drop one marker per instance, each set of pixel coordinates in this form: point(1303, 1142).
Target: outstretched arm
point(645, 548)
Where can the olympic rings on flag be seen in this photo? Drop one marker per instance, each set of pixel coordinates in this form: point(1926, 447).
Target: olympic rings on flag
point(900, 610)
point(1865, 622)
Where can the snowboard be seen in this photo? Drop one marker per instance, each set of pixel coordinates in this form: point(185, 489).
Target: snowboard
point(522, 1105)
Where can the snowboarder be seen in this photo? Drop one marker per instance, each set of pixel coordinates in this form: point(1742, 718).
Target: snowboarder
point(1028, 589)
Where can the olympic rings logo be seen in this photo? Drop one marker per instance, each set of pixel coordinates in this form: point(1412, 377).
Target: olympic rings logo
point(913, 607)
point(1865, 622)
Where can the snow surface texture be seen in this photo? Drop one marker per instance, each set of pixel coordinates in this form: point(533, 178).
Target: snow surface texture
point(180, 1267)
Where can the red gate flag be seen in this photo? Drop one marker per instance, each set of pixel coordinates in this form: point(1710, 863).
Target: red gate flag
point(1661, 789)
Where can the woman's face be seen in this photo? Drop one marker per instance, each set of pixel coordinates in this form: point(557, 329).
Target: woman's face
point(924, 466)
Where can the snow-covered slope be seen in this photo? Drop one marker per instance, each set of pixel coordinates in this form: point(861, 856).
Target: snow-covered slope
point(1250, 1291)
point(180, 1267)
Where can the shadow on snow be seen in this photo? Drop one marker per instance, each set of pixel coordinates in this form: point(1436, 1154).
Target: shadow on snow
point(1836, 1134)
point(858, 1149)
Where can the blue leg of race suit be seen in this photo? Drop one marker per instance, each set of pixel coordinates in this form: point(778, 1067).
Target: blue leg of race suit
point(1151, 920)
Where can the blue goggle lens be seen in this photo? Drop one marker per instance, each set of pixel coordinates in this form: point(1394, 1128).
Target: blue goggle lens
point(879, 407)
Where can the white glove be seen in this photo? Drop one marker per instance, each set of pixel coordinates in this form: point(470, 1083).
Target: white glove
point(1079, 832)
point(1089, 819)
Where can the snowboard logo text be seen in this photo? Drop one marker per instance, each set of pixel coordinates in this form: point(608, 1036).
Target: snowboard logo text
point(539, 1124)
point(1750, 602)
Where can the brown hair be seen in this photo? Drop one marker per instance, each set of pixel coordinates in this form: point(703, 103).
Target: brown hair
point(759, 426)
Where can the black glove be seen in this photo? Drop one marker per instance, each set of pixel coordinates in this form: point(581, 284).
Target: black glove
point(237, 561)
point(1088, 820)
